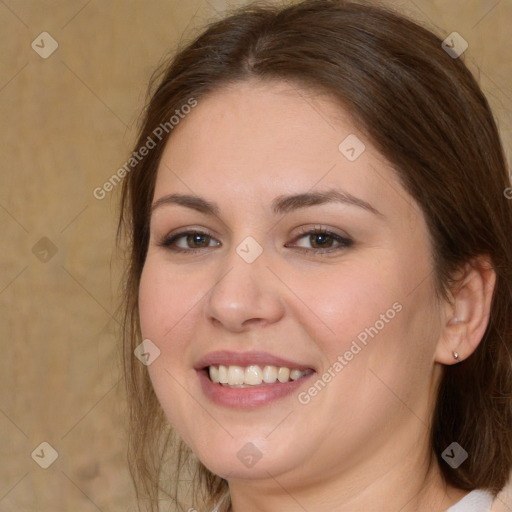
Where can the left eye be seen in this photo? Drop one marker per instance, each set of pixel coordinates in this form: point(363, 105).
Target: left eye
point(322, 240)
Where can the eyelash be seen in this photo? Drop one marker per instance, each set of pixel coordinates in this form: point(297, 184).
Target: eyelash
point(343, 242)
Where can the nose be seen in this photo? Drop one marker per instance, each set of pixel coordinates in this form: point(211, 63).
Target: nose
point(245, 295)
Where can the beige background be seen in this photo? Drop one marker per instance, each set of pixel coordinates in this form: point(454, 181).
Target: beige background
point(67, 123)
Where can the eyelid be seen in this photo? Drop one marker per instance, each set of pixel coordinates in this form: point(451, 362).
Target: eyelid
point(344, 240)
point(308, 229)
point(172, 237)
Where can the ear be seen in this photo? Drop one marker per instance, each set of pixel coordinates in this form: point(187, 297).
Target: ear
point(466, 315)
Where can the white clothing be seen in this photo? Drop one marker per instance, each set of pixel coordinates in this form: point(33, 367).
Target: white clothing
point(476, 501)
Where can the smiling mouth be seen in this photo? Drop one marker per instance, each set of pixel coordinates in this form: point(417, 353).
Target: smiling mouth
point(253, 375)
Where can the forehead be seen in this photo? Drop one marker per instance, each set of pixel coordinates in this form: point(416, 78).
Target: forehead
point(267, 122)
point(252, 141)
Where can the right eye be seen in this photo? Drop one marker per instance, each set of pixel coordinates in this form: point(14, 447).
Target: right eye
point(189, 241)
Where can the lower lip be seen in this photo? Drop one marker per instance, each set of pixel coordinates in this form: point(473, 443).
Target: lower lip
point(247, 398)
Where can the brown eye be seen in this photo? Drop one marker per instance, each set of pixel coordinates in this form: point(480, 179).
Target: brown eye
point(189, 241)
point(322, 241)
point(197, 240)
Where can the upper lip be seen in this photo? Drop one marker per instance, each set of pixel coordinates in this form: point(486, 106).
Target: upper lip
point(227, 358)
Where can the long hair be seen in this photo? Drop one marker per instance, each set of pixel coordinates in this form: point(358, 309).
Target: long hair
point(425, 113)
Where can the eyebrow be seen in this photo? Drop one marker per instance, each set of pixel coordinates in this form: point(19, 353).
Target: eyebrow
point(280, 205)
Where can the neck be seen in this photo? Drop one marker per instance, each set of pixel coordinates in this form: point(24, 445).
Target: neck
point(381, 484)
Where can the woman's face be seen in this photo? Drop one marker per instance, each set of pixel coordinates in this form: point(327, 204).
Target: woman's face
point(337, 280)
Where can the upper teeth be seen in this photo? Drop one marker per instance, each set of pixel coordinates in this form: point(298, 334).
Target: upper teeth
point(253, 375)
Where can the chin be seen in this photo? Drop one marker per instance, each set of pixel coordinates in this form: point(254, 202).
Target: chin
point(243, 458)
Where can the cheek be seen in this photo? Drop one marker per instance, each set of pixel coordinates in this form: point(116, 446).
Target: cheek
point(379, 316)
point(347, 300)
point(165, 299)
point(166, 308)
point(379, 346)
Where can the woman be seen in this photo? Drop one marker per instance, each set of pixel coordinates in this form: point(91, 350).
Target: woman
point(320, 270)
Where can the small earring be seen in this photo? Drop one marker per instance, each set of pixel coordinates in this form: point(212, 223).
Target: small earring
point(455, 355)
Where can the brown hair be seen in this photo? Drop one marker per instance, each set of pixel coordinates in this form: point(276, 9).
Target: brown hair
point(424, 112)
